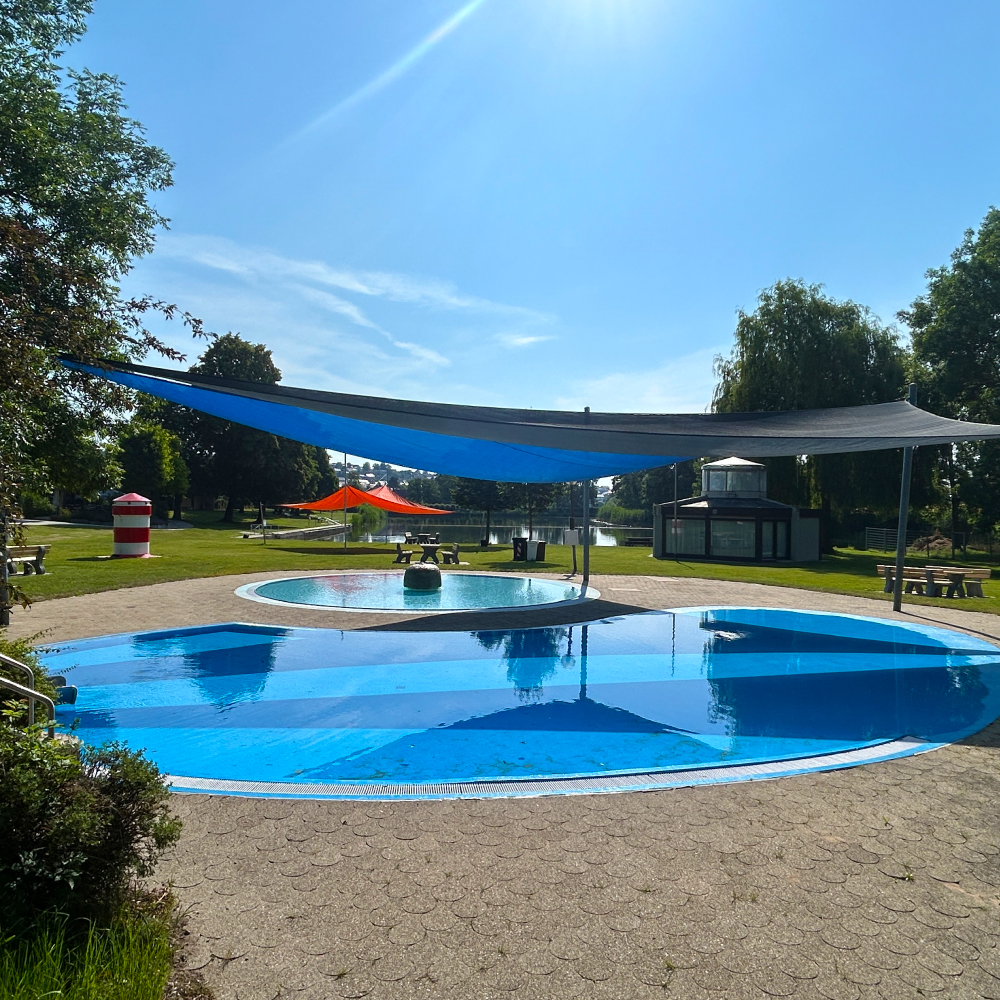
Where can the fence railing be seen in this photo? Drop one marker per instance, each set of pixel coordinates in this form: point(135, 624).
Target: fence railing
point(886, 538)
point(28, 692)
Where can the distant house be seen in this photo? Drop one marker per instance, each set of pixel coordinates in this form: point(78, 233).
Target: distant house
point(733, 520)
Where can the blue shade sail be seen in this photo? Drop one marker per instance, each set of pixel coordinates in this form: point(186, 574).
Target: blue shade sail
point(483, 442)
point(696, 688)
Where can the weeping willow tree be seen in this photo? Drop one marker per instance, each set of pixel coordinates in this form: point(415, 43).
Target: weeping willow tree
point(800, 349)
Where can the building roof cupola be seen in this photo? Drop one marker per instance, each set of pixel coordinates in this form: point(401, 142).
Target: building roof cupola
point(734, 477)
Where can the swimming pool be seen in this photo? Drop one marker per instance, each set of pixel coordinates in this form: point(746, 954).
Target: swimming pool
point(374, 591)
point(648, 700)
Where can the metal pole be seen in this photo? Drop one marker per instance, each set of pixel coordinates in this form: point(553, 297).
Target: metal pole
point(675, 525)
point(904, 512)
point(586, 518)
point(572, 524)
point(345, 501)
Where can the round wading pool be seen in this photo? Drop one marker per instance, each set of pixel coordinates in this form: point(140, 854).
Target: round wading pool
point(648, 700)
point(385, 592)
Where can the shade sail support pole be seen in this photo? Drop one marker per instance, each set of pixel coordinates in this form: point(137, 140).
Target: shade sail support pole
point(904, 513)
point(345, 501)
point(586, 519)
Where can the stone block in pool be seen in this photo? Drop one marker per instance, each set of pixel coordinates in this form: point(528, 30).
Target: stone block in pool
point(422, 576)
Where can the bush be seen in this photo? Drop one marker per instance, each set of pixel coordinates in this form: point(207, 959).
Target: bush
point(78, 827)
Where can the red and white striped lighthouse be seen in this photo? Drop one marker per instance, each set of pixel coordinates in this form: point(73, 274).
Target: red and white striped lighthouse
point(131, 513)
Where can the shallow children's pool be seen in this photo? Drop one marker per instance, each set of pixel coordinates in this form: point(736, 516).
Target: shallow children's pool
point(385, 592)
point(647, 700)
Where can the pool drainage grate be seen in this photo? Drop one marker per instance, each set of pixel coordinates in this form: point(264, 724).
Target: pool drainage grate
point(519, 787)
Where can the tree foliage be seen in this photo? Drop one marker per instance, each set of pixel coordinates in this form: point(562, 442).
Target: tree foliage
point(955, 327)
point(800, 349)
point(153, 464)
point(531, 498)
point(241, 463)
point(75, 180)
point(478, 494)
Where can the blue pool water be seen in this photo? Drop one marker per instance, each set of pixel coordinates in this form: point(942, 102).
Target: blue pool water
point(695, 688)
point(385, 592)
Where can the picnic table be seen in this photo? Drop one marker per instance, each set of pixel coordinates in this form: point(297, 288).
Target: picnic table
point(430, 551)
point(928, 581)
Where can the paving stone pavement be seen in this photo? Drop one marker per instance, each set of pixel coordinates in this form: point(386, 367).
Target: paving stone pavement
point(879, 882)
point(876, 882)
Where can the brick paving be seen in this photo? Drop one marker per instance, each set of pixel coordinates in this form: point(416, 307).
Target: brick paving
point(881, 881)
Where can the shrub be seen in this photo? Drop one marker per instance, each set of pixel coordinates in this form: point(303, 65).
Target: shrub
point(78, 827)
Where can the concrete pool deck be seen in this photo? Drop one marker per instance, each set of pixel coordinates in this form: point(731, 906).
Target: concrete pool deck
point(881, 881)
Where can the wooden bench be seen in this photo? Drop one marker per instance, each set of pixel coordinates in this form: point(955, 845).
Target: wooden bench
point(32, 556)
point(928, 581)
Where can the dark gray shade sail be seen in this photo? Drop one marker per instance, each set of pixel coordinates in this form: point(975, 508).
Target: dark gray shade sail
point(485, 442)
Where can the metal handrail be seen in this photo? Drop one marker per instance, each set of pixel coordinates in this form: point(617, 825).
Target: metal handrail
point(25, 692)
point(9, 661)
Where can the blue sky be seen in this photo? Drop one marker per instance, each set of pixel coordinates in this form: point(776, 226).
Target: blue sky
point(550, 203)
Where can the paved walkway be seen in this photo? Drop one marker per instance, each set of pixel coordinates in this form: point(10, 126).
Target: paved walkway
point(881, 881)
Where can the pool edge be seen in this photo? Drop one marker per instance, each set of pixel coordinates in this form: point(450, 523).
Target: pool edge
point(533, 787)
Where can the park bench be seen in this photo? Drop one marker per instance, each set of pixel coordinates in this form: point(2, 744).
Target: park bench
point(451, 555)
point(928, 581)
point(31, 556)
point(639, 540)
point(402, 555)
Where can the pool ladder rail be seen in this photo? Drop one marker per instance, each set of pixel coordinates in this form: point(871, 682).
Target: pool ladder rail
point(28, 692)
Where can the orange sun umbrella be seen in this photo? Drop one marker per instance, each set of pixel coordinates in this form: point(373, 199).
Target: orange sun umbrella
point(350, 496)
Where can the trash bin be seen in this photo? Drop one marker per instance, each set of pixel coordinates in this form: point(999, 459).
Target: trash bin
point(520, 549)
point(532, 550)
point(540, 551)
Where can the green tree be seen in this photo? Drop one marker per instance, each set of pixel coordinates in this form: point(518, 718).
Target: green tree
point(75, 175)
point(801, 349)
point(478, 494)
point(152, 464)
point(238, 462)
point(531, 498)
point(71, 454)
point(955, 327)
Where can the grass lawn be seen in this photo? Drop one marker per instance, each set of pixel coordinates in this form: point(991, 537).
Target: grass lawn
point(215, 549)
point(128, 960)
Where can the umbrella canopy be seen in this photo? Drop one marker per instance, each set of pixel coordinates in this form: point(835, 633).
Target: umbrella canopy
point(535, 446)
point(351, 496)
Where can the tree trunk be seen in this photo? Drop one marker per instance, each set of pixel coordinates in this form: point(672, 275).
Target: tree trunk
point(230, 507)
point(531, 518)
point(178, 513)
point(487, 526)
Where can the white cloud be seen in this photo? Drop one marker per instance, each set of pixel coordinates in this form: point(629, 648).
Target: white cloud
point(226, 255)
point(683, 385)
point(514, 340)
